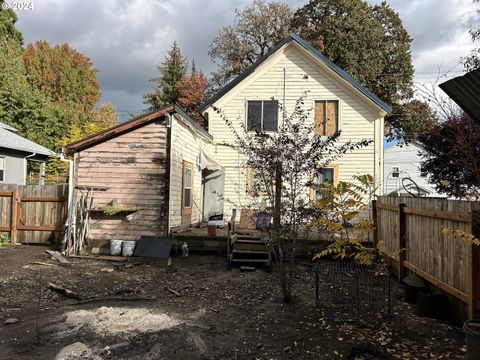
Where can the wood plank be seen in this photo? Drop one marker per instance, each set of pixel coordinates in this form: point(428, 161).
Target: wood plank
point(438, 283)
point(6, 194)
point(14, 217)
point(461, 217)
point(43, 199)
point(387, 207)
point(39, 228)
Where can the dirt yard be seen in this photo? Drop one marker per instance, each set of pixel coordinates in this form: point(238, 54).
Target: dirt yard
point(219, 314)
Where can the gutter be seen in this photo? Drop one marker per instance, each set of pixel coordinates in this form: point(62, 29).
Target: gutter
point(70, 196)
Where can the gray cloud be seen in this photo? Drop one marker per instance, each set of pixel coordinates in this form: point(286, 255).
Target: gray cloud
point(126, 40)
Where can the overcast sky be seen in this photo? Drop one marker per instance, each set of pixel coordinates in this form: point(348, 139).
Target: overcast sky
point(127, 39)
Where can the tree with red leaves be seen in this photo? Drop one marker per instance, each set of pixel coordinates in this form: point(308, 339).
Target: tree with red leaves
point(192, 90)
point(452, 156)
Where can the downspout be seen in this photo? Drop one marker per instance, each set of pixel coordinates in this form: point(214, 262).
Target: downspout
point(70, 195)
point(26, 163)
point(169, 144)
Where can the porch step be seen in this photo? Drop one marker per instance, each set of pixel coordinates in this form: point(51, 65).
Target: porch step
point(266, 261)
point(255, 252)
point(250, 241)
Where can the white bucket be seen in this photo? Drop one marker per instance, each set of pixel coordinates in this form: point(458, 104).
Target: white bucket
point(128, 247)
point(116, 247)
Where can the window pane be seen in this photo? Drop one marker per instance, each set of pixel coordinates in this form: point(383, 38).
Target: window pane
point(254, 115)
point(325, 175)
point(187, 198)
point(1, 175)
point(270, 115)
point(2, 163)
point(187, 181)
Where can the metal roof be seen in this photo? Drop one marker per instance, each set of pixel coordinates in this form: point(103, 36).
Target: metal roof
point(8, 127)
point(465, 91)
point(10, 140)
point(315, 53)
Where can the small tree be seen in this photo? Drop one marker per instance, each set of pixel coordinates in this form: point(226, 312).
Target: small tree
point(343, 207)
point(283, 163)
point(452, 156)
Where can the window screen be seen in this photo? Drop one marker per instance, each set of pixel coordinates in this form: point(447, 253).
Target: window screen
point(262, 115)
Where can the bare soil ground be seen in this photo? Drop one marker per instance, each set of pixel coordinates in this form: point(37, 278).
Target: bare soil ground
point(219, 314)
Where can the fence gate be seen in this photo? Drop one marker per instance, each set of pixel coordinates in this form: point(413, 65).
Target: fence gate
point(33, 214)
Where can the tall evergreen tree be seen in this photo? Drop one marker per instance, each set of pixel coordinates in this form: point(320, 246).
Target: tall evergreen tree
point(172, 70)
point(8, 18)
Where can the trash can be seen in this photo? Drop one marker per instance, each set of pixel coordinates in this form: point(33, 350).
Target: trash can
point(472, 336)
point(128, 247)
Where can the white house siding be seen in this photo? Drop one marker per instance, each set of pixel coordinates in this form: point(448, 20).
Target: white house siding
point(359, 118)
point(407, 159)
point(186, 145)
point(15, 167)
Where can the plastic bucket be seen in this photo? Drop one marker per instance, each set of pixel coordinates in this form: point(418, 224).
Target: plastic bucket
point(116, 247)
point(212, 229)
point(472, 332)
point(128, 247)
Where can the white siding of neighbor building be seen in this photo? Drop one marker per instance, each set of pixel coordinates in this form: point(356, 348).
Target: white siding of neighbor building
point(186, 145)
point(407, 158)
point(15, 167)
point(359, 118)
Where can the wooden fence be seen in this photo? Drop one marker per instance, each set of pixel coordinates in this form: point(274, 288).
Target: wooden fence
point(33, 214)
point(411, 232)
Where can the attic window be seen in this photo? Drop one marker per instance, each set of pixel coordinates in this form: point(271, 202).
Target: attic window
point(2, 169)
point(395, 172)
point(262, 115)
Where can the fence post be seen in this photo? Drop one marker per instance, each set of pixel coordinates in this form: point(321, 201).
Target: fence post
point(14, 216)
point(375, 223)
point(402, 252)
point(474, 277)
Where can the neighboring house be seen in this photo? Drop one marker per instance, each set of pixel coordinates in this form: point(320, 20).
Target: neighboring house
point(157, 166)
point(402, 172)
point(15, 152)
point(285, 73)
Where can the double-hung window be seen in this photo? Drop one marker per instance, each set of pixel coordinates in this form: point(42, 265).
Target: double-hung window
point(187, 185)
point(326, 117)
point(323, 175)
point(262, 115)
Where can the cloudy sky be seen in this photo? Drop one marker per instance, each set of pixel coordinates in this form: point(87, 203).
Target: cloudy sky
point(127, 39)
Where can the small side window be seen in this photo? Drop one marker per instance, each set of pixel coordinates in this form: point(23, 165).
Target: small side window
point(395, 172)
point(187, 185)
point(2, 169)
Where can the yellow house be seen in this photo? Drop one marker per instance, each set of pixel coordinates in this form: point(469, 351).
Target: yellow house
point(284, 74)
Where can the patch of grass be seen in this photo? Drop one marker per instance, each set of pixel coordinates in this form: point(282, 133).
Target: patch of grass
point(114, 209)
point(4, 241)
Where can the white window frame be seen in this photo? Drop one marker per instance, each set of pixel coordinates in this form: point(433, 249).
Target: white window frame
point(4, 158)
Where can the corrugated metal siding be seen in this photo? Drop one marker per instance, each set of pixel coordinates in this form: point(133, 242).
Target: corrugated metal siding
point(465, 91)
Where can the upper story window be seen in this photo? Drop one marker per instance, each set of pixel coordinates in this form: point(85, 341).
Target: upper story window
point(262, 115)
point(326, 117)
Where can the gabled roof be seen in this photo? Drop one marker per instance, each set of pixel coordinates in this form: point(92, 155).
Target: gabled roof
point(294, 37)
point(465, 91)
point(131, 125)
point(10, 140)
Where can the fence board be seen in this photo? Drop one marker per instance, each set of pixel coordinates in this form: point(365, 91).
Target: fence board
point(438, 258)
point(33, 214)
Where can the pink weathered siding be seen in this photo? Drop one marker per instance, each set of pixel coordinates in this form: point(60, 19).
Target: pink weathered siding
point(133, 167)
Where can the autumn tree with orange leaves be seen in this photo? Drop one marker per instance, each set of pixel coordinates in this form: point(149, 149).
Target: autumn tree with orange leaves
point(192, 90)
